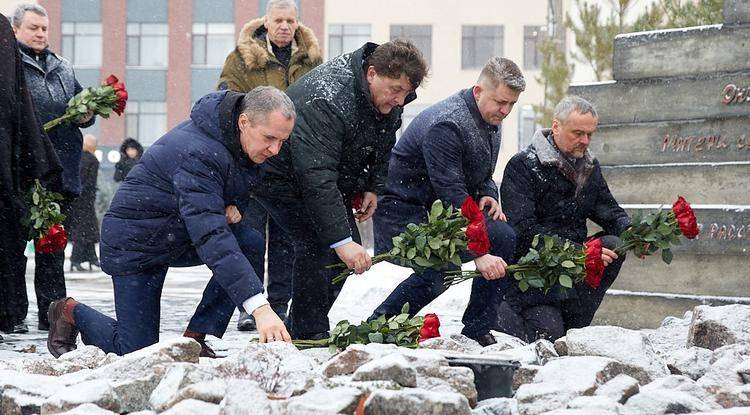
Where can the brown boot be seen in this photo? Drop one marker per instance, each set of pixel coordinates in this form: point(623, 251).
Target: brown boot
point(62, 334)
point(206, 350)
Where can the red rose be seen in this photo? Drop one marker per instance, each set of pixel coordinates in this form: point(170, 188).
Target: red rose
point(685, 218)
point(430, 327)
point(111, 80)
point(594, 263)
point(476, 232)
point(53, 241)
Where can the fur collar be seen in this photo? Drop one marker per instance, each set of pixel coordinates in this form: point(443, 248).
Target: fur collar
point(551, 156)
point(255, 55)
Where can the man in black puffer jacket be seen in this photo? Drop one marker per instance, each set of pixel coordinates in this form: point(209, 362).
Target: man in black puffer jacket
point(349, 110)
point(553, 187)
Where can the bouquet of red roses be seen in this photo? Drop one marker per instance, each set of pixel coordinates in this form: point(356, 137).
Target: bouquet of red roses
point(659, 231)
point(45, 220)
point(102, 100)
point(447, 234)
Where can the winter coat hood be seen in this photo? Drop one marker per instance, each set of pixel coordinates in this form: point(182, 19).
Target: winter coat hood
point(251, 44)
point(549, 155)
point(130, 142)
point(216, 115)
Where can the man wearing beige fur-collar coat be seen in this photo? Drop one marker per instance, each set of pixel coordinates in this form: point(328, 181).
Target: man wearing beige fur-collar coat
point(274, 50)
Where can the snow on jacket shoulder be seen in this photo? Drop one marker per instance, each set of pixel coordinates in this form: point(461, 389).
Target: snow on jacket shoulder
point(175, 199)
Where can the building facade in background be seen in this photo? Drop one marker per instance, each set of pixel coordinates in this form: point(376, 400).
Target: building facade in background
point(170, 52)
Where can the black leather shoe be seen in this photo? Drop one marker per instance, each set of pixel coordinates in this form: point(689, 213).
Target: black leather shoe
point(485, 339)
point(77, 267)
point(19, 328)
point(246, 322)
point(62, 335)
point(43, 326)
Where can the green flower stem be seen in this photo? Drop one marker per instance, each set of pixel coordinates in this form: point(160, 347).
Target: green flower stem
point(59, 120)
point(346, 273)
point(310, 344)
point(456, 277)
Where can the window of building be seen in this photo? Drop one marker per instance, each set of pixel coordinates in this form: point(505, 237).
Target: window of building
point(420, 35)
point(479, 44)
point(147, 44)
point(527, 126)
point(212, 42)
point(532, 57)
point(146, 121)
point(82, 43)
point(345, 38)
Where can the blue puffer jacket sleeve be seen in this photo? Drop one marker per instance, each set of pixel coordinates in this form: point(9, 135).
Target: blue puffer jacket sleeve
point(199, 191)
point(443, 156)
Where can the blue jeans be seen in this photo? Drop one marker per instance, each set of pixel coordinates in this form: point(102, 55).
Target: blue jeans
point(419, 289)
point(137, 307)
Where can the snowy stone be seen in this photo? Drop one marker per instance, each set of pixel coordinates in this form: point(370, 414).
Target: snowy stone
point(446, 344)
point(523, 354)
point(627, 346)
point(545, 351)
point(620, 388)
point(245, 397)
point(506, 341)
point(671, 335)
point(496, 406)
point(425, 362)
point(594, 402)
point(319, 354)
point(416, 402)
point(49, 367)
point(193, 407)
point(743, 369)
point(586, 411)
point(325, 401)
point(25, 393)
point(692, 362)
point(88, 409)
point(135, 392)
point(212, 391)
point(682, 384)
point(713, 327)
point(98, 392)
point(393, 367)
point(561, 347)
point(88, 356)
point(278, 367)
point(17, 402)
point(354, 356)
point(524, 374)
point(177, 377)
point(583, 374)
point(451, 380)
point(664, 401)
point(539, 398)
point(723, 381)
point(471, 345)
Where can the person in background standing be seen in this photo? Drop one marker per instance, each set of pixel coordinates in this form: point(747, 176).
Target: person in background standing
point(130, 152)
point(52, 83)
point(274, 50)
point(82, 224)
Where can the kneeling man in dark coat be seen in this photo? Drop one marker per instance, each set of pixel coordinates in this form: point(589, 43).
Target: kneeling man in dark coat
point(553, 187)
point(174, 209)
point(449, 152)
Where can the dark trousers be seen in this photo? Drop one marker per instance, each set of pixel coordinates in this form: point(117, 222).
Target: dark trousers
point(84, 252)
point(13, 300)
point(420, 289)
point(137, 307)
point(313, 294)
point(550, 319)
point(280, 256)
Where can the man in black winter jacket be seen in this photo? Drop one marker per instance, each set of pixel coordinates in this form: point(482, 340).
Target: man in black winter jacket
point(349, 110)
point(553, 187)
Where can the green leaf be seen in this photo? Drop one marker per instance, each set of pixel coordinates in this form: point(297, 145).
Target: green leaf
point(422, 262)
point(436, 210)
point(435, 243)
point(568, 264)
point(375, 337)
point(35, 198)
point(401, 318)
point(393, 325)
point(523, 286)
point(411, 253)
point(456, 260)
point(666, 256)
point(421, 241)
point(405, 309)
point(536, 282)
point(565, 281)
point(427, 252)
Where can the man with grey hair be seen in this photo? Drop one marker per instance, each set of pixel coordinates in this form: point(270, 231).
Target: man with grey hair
point(449, 152)
point(174, 209)
point(52, 83)
point(553, 187)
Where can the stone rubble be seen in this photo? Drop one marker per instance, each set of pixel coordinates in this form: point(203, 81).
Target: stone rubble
point(696, 364)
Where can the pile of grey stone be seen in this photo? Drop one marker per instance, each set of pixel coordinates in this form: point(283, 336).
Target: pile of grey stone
point(696, 364)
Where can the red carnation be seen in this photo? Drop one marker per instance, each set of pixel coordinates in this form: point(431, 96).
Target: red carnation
point(430, 327)
point(53, 241)
point(685, 218)
point(594, 263)
point(476, 232)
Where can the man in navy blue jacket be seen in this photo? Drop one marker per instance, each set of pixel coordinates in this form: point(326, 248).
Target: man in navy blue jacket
point(174, 209)
point(449, 152)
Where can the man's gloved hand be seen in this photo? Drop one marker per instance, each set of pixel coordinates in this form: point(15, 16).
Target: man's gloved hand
point(354, 256)
point(270, 327)
point(492, 267)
